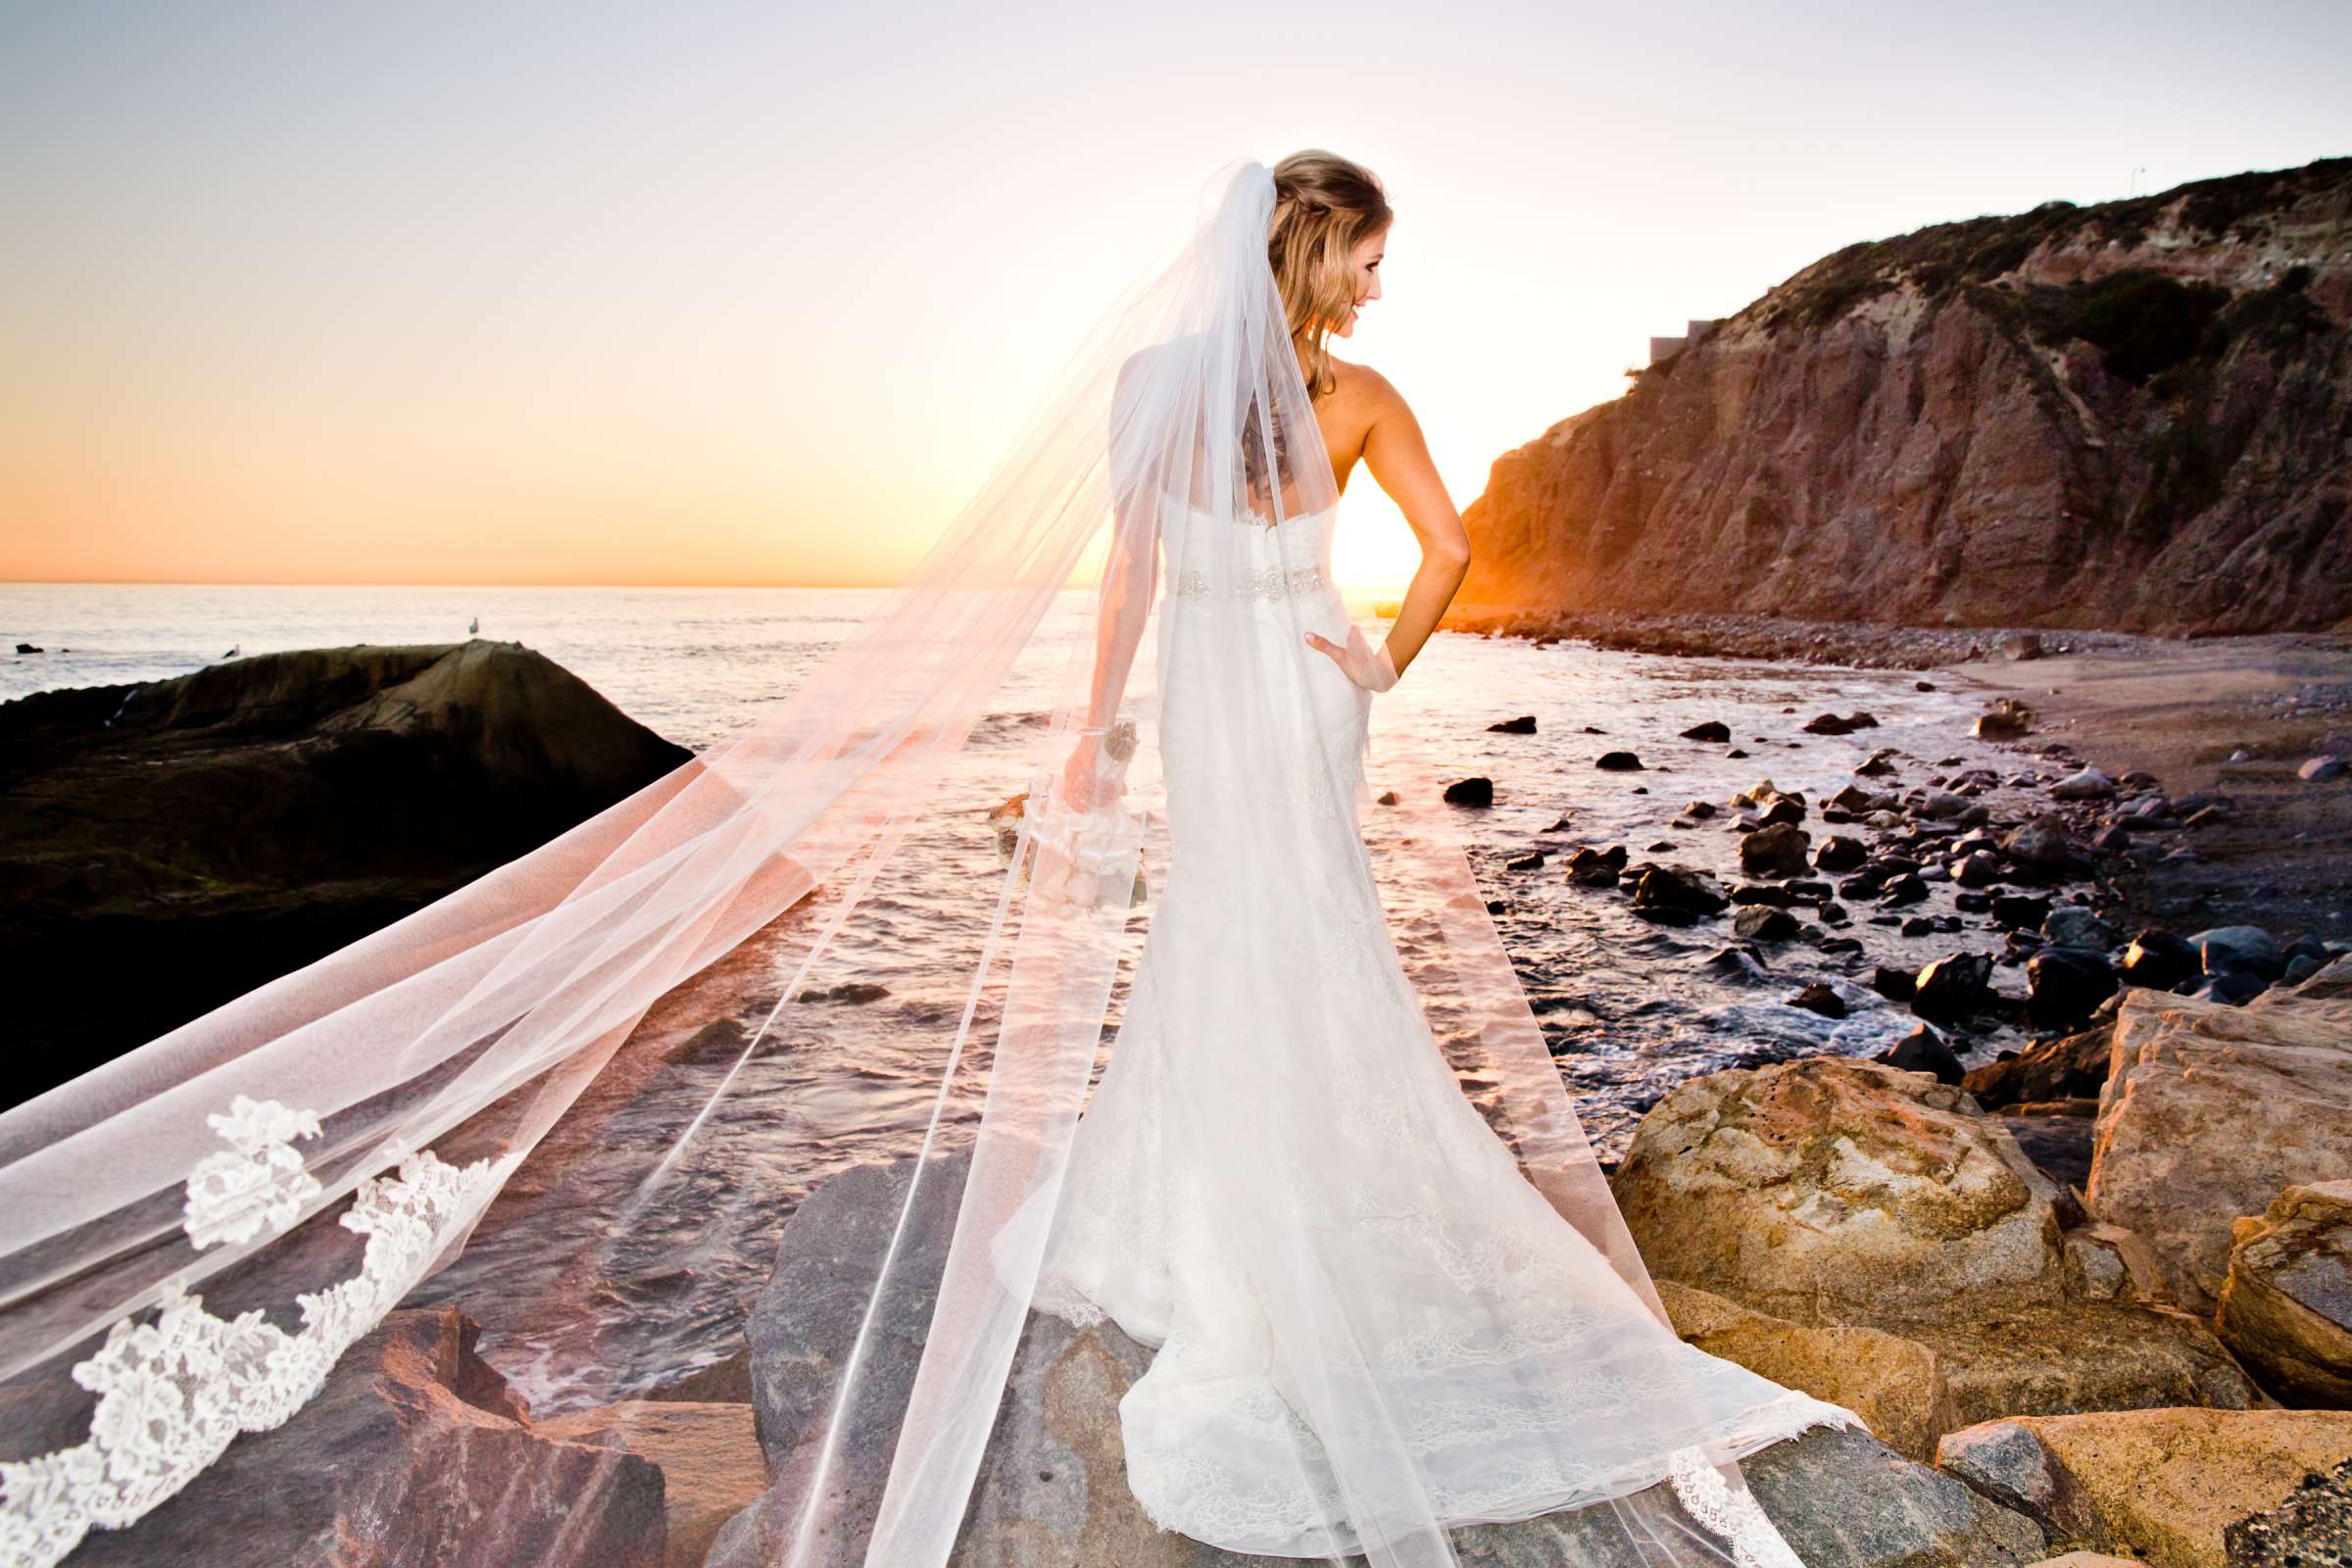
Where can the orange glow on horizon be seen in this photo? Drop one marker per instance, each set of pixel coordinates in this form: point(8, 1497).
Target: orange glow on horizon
point(756, 295)
point(216, 509)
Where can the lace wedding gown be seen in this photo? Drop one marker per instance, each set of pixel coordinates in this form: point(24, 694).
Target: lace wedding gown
point(1277, 1138)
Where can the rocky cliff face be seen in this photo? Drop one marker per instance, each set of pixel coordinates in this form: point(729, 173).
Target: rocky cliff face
point(166, 847)
point(2134, 415)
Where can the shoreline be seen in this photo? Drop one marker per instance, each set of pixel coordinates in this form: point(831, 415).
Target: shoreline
point(1784, 640)
point(2277, 853)
point(2230, 716)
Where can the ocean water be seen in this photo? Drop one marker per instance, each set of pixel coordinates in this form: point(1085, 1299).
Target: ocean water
point(1628, 1009)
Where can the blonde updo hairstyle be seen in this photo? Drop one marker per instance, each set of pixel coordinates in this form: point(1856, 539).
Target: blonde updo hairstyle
point(1324, 207)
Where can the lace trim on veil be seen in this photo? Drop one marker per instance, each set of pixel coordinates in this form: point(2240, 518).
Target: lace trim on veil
point(174, 1394)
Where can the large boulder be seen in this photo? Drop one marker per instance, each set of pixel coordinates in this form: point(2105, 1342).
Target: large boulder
point(210, 833)
point(1837, 1191)
point(2077, 1356)
point(414, 1452)
point(2286, 1306)
point(1052, 1492)
point(1828, 1189)
point(1894, 1384)
point(2162, 1484)
point(2210, 1111)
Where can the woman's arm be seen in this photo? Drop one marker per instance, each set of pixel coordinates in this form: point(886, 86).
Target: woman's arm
point(1398, 458)
point(1398, 455)
point(1130, 578)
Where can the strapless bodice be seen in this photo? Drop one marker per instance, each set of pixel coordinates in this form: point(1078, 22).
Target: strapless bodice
point(1211, 558)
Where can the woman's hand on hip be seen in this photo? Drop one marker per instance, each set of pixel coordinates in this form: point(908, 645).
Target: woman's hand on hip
point(1368, 667)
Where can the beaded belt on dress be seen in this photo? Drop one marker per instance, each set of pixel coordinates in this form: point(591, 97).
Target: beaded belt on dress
point(1266, 582)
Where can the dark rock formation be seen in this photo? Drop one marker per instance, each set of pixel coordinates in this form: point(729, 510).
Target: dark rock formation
point(1777, 848)
point(1672, 897)
point(1764, 923)
point(2159, 960)
point(171, 845)
point(1953, 987)
point(1475, 791)
point(2134, 414)
point(1822, 998)
point(2065, 984)
point(2070, 1068)
point(1923, 1050)
point(1839, 854)
point(1596, 868)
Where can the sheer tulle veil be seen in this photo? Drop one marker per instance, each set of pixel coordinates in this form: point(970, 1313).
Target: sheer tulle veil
point(193, 1234)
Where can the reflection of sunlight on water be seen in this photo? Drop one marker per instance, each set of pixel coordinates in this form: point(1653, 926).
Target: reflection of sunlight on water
point(1626, 1008)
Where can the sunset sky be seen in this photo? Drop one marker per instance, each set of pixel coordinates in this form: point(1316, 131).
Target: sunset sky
point(755, 294)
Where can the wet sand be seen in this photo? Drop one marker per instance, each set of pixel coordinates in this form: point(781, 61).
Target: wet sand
point(2280, 853)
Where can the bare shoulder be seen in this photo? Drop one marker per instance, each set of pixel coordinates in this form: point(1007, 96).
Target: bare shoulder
point(1363, 384)
point(1368, 397)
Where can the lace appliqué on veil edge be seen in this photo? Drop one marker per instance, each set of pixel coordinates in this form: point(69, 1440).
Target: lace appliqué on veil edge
point(1734, 1515)
point(174, 1394)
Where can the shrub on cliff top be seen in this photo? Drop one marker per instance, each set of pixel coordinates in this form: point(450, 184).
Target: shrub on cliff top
point(2142, 323)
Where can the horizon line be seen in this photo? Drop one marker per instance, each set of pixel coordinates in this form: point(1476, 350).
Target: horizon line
point(1361, 589)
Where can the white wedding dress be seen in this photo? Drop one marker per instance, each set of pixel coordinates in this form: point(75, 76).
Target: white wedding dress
point(1485, 1337)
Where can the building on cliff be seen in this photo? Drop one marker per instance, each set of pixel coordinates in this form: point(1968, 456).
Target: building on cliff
point(1666, 348)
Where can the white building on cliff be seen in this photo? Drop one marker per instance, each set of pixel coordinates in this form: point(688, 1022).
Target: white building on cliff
point(1665, 348)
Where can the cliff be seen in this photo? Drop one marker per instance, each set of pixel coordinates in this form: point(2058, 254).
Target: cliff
point(166, 847)
point(2135, 415)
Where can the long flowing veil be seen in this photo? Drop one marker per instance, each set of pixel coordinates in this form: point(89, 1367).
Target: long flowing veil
point(191, 1235)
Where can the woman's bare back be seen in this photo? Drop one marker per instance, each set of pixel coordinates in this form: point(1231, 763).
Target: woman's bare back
point(1346, 415)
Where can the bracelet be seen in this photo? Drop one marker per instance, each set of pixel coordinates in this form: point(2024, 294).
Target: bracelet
point(1095, 729)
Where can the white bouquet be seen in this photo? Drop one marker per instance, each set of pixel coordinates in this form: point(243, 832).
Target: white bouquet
point(1083, 857)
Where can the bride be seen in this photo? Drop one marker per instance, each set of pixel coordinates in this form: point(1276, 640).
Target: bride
point(1378, 1311)
point(1368, 1320)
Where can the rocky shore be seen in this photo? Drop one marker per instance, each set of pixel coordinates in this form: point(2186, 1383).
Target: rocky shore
point(171, 845)
point(2150, 1366)
point(2093, 1295)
